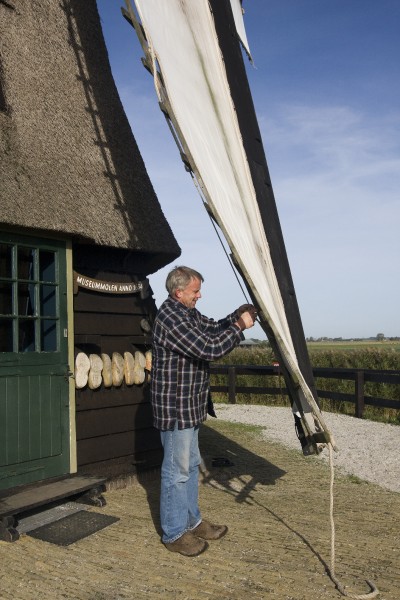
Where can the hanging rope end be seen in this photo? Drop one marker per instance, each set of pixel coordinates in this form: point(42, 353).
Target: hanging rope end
point(373, 593)
point(374, 590)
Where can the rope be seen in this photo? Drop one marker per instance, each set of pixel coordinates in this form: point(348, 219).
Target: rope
point(223, 247)
point(341, 588)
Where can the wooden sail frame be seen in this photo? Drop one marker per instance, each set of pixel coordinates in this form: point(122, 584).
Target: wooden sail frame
point(310, 425)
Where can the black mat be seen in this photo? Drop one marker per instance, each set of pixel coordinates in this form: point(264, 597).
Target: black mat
point(72, 528)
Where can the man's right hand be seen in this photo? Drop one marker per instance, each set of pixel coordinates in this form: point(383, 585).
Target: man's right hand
point(245, 321)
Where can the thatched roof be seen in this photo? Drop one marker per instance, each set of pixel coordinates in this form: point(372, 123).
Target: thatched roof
point(69, 161)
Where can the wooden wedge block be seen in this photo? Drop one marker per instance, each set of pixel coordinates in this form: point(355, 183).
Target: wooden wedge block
point(138, 370)
point(96, 367)
point(129, 366)
point(147, 366)
point(106, 372)
point(145, 325)
point(148, 357)
point(117, 369)
point(140, 358)
point(82, 366)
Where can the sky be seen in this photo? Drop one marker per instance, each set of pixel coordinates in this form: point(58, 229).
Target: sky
point(326, 89)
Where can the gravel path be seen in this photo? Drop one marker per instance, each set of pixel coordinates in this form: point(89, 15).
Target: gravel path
point(366, 449)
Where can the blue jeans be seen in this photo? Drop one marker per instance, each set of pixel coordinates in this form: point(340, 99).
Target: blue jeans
point(179, 508)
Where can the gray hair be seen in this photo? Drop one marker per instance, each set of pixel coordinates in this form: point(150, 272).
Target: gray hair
point(179, 278)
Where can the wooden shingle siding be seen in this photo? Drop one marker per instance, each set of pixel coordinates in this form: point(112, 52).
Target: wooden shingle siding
point(115, 419)
point(110, 324)
point(89, 400)
point(114, 425)
point(119, 445)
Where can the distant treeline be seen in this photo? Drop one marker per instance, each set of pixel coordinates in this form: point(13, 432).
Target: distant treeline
point(373, 356)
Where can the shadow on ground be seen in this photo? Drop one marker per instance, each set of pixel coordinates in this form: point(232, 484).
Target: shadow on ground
point(226, 465)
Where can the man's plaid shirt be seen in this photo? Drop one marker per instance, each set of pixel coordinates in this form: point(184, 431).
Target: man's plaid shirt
point(184, 342)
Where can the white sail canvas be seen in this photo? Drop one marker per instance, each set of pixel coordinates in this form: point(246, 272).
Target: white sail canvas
point(183, 47)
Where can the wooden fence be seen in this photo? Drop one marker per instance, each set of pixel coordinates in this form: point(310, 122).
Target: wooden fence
point(359, 376)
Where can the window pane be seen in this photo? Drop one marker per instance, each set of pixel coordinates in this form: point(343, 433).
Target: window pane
point(5, 260)
point(48, 335)
point(48, 304)
point(26, 337)
point(47, 265)
point(26, 257)
point(26, 299)
point(6, 335)
point(5, 298)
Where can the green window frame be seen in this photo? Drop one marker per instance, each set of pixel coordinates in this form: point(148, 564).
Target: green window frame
point(29, 297)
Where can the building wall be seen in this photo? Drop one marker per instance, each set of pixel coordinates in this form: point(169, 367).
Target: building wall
point(70, 170)
point(113, 425)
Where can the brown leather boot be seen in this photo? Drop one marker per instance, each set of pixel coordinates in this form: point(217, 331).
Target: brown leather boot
point(209, 531)
point(188, 545)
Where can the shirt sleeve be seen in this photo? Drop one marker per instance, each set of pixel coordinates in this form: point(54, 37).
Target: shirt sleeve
point(216, 326)
point(196, 336)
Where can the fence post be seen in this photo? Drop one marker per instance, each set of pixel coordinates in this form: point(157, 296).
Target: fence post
point(359, 392)
point(231, 385)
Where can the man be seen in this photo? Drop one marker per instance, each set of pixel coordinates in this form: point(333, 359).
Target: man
point(184, 342)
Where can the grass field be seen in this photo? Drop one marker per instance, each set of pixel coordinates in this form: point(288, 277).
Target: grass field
point(340, 354)
point(354, 345)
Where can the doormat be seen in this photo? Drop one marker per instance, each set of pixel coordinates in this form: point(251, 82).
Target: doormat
point(72, 528)
point(37, 518)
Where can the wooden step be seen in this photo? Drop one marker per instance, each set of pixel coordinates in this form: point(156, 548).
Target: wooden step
point(88, 490)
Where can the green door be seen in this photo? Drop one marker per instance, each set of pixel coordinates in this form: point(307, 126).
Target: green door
point(34, 401)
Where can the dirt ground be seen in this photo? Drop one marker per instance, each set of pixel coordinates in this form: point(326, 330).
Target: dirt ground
point(276, 504)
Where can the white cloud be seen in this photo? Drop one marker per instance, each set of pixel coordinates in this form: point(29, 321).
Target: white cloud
point(336, 176)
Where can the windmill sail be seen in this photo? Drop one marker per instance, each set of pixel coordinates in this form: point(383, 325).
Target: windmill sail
point(192, 49)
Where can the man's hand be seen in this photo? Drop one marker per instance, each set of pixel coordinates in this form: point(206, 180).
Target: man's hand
point(247, 308)
point(246, 320)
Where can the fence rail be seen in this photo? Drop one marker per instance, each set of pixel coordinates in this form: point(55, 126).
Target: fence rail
point(359, 376)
